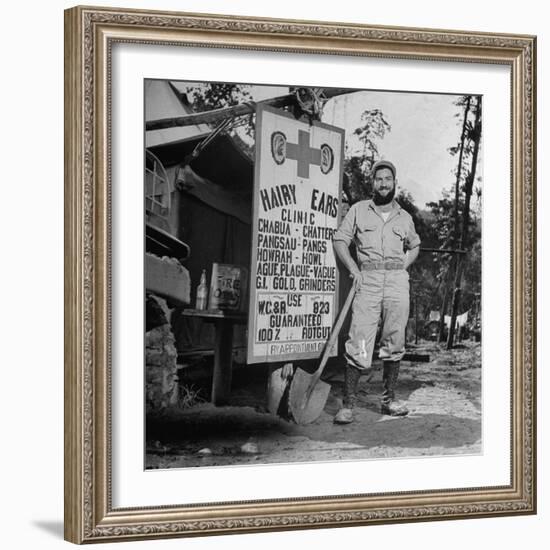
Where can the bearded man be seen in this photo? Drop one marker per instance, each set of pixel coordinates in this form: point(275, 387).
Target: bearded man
point(387, 244)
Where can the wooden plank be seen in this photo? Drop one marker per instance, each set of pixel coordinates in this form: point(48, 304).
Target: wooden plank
point(214, 314)
point(167, 278)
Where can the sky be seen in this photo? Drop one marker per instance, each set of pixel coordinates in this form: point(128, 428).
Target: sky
point(423, 128)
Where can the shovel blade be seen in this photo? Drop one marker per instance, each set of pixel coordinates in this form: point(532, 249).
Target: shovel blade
point(306, 404)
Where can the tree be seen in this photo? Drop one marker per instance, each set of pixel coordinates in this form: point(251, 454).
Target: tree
point(474, 137)
point(358, 163)
point(440, 271)
point(425, 281)
point(443, 226)
point(463, 101)
point(216, 95)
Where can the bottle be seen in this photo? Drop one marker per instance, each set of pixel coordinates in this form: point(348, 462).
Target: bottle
point(202, 292)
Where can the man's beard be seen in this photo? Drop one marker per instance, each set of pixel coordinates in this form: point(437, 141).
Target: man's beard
point(381, 200)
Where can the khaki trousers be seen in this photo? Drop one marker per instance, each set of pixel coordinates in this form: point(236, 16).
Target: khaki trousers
point(383, 295)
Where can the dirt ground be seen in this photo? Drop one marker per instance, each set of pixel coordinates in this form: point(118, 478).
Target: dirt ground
point(443, 396)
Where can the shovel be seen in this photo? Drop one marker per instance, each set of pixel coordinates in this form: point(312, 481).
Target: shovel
point(308, 394)
point(277, 389)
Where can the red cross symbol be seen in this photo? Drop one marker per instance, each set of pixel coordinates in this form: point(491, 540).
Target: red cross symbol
point(303, 153)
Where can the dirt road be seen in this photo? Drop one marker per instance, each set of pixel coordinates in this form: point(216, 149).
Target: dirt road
point(443, 395)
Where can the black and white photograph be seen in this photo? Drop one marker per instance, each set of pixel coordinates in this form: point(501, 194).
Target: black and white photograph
point(312, 274)
point(300, 264)
point(287, 261)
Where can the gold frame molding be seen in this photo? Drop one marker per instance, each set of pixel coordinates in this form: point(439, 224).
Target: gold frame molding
point(89, 36)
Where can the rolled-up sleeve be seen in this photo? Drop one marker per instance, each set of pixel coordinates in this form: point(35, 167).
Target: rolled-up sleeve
point(412, 240)
point(346, 230)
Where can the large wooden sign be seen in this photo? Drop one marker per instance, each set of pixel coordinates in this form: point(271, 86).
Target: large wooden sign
point(294, 279)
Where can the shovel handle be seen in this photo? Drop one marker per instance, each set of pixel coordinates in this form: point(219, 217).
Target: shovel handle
point(333, 335)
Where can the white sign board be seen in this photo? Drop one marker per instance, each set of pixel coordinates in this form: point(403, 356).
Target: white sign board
point(294, 277)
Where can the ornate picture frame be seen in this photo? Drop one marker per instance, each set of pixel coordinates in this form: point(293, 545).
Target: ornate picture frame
point(90, 35)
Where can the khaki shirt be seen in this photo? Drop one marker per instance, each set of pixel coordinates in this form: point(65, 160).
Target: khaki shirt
point(378, 240)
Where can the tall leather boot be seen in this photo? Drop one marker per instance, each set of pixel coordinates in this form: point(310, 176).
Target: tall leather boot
point(351, 381)
point(389, 379)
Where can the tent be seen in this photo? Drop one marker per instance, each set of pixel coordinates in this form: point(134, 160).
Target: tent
point(210, 203)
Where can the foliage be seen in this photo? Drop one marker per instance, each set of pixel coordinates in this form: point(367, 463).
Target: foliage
point(189, 396)
point(438, 230)
point(217, 95)
point(373, 127)
point(206, 97)
point(357, 186)
point(406, 201)
point(438, 225)
point(358, 163)
point(444, 220)
point(469, 107)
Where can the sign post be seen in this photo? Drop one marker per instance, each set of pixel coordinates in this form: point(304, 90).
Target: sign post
point(294, 277)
